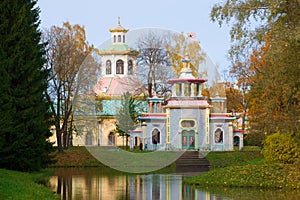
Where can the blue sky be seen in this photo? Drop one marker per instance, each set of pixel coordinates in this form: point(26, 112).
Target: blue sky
point(98, 16)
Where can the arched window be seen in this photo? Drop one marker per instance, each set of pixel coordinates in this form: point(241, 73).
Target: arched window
point(130, 67)
point(119, 38)
point(188, 123)
point(115, 39)
point(219, 136)
point(123, 38)
point(108, 67)
point(156, 136)
point(120, 67)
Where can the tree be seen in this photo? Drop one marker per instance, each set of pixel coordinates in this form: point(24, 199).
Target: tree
point(183, 46)
point(275, 98)
point(24, 127)
point(153, 62)
point(282, 148)
point(127, 118)
point(67, 50)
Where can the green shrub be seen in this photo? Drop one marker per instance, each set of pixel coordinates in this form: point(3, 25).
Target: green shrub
point(281, 147)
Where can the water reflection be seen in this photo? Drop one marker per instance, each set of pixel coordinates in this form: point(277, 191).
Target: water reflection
point(98, 184)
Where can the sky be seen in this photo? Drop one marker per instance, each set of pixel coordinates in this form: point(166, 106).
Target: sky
point(98, 16)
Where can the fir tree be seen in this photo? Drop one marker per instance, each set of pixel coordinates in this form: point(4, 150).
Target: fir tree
point(128, 114)
point(24, 127)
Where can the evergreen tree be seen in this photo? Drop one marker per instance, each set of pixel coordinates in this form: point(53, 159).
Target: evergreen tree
point(24, 127)
point(127, 118)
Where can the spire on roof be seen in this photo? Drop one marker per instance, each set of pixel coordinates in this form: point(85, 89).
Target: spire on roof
point(119, 20)
point(186, 61)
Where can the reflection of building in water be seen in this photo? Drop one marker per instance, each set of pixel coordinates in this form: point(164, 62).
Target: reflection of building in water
point(143, 187)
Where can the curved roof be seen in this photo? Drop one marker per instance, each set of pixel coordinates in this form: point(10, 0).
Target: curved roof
point(117, 86)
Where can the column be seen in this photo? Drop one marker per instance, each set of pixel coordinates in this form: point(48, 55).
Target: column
point(150, 107)
point(174, 90)
point(200, 90)
point(144, 124)
point(159, 107)
point(230, 136)
point(182, 89)
point(192, 89)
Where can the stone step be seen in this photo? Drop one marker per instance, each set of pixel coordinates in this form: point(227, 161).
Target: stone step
point(191, 161)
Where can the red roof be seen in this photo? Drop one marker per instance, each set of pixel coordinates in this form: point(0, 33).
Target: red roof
point(117, 86)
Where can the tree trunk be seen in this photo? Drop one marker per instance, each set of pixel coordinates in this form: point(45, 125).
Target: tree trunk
point(65, 135)
point(58, 138)
point(126, 142)
point(150, 89)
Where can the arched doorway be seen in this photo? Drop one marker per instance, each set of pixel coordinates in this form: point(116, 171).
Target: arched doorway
point(111, 139)
point(188, 130)
point(238, 139)
point(188, 139)
point(155, 138)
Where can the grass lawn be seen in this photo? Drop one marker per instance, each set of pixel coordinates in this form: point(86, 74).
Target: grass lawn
point(19, 185)
point(246, 169)
point(224, 159)
point(134, 160)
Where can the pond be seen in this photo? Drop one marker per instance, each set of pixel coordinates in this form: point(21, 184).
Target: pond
point(99, 183)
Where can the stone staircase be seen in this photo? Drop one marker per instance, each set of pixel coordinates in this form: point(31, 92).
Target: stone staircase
point(191, 161)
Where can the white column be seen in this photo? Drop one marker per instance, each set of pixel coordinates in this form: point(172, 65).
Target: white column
point(192, 89)
point(230, 136)
point(174, 90)
point(200, 90)
point(182, 89)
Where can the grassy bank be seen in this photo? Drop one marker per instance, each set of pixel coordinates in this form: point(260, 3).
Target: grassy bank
point(246, 169)
point(81, 157)
point(75, 157)
point(18, 185)
point(225, 159)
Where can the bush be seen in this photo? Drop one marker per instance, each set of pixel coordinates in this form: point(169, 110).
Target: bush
point(281, 147)
point(254, 139)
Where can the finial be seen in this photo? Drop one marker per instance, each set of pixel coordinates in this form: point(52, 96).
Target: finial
point(186, 61)
point(118, 20)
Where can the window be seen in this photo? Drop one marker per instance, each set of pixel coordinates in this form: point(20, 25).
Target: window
point(119, 38)
point(108, 67)
point(187, 123)
point(218, 136)
point(156, 136)
point(123, 38)
point(115, 39)
point(130, 67)
point(120, 67)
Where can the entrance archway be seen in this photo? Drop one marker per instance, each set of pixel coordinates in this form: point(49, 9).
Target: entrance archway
point(238, 139)
point(111, 139)
point(188, 139)
point(155, 138)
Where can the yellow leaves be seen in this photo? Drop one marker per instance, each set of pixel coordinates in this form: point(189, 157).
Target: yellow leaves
point(67, 48)
point(182, 47)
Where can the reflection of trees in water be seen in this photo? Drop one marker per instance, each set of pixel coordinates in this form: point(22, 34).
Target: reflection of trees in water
point(118, 187)
point(64, 187)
